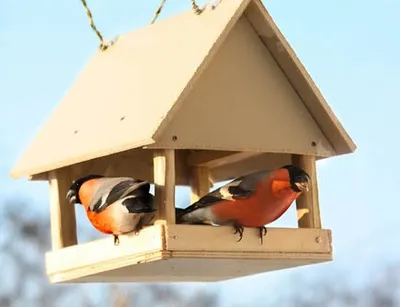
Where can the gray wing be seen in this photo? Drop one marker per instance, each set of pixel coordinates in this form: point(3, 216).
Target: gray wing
point(241, 187)
point(112, 189)
point(244, 186)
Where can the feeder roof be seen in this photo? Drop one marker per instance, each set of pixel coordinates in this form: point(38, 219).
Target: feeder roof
point(226, 80)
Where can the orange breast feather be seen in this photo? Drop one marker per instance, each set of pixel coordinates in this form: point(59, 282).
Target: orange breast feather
point(102, 221)
point(272, 198)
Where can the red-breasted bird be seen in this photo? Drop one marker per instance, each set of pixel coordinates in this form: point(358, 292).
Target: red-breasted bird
point(114, 205)
point(253, 200)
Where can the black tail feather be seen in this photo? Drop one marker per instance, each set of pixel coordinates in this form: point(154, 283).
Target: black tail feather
point(179, 212)
point(139, 204)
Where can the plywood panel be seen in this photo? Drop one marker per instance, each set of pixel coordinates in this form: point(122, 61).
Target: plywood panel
point(184, 252)
point(243, 101)
point(195, 270)
point(221, 239)
point(299, 77)
point(137, 163)
point(240, 100)
point(123, 94)
point(102, 254)
point(267, 161)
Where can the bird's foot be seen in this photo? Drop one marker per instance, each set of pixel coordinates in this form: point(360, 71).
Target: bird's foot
point(116, 240)
point(262, 232)
point(238, 229)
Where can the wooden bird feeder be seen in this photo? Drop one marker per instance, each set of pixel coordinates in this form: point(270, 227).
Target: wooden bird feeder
point(191, 100)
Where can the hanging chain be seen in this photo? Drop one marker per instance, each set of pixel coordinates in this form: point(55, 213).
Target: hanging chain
point(198, 10)
point(103, 45)
point(158, 11)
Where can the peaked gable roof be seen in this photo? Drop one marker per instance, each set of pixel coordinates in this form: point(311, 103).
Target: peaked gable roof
point(127, 96)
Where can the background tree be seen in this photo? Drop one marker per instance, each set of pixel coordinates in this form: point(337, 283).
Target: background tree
point(25, 238)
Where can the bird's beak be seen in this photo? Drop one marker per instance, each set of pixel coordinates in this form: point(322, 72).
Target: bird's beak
point(302, 185)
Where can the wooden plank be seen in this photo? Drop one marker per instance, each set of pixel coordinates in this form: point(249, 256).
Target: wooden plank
point(62, 214)
point(271, 105)
point(197, 269)
point(164, 184)
point(213, 158)
point(138, 259)
point(39, 177)
point(194, 238)
point(200, 183)
point(298, 76)
point(308, 212)
point(102, 255)
point(136, 162)
point(199, 253)
point(256, 163)
point(136, 106)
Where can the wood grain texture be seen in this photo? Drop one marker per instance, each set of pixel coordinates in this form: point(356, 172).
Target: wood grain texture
point(62, 214)
point(308, 211)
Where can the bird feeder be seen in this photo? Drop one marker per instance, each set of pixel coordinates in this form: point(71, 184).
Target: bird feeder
point(191, 100)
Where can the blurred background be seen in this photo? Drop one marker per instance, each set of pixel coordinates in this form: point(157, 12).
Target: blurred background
point(350, 49)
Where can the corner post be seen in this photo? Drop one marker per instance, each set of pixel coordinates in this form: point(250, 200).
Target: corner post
point(308, 214)
point(199, 182)
point(62, 214)
point(164, 184)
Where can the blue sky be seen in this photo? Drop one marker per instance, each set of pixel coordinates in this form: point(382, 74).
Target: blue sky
point(351, 50)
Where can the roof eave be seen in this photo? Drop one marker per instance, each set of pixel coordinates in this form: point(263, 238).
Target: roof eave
point(286, 58)
point(19, 170)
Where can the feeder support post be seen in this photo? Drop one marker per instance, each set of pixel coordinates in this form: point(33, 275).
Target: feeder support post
point(308, 213)
point(199, 182)
point(164, 184)
point(62, 214)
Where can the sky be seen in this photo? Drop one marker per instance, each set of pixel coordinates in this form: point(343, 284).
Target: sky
point(350, 49)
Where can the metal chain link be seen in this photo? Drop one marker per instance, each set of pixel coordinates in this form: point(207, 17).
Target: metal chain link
point(198, 10)
point(104, 45)
point(158, 11)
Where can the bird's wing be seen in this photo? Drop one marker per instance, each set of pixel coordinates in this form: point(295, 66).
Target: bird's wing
point(240, 187)
point(112, 189)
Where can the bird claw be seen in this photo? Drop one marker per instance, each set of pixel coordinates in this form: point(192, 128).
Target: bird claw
point(262, 232)
point(238, 229)
point(116, 240)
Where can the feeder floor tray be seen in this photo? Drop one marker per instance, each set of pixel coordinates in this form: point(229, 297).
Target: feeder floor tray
point(163, 252)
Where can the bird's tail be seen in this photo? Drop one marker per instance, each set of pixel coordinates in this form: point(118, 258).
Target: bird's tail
point(179, 213)
point(139, 204)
